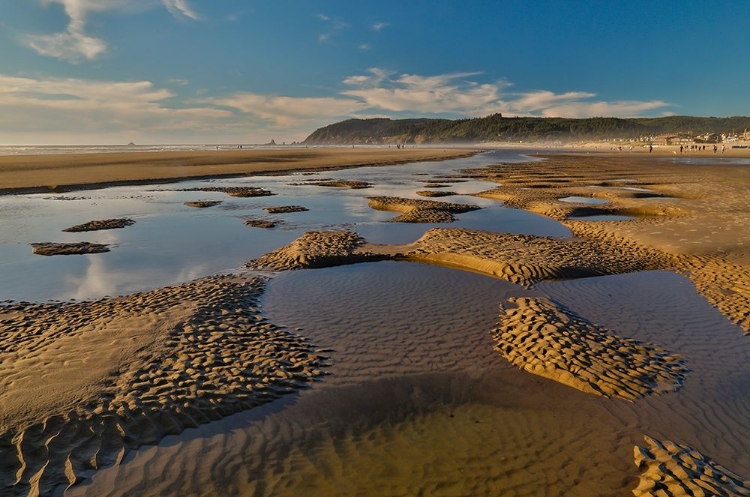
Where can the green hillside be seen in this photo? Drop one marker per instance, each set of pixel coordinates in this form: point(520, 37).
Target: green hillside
point(496, 128)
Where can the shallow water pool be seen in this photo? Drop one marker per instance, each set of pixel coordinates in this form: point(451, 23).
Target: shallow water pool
point(172, 243)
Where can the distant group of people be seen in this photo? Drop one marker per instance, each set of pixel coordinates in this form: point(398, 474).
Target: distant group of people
point(699, 148)
point(619, 148)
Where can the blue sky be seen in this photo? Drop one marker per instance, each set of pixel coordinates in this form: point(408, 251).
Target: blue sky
point(246, 71)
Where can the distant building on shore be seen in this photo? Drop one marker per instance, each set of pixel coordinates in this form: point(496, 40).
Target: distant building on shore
point(709, 138)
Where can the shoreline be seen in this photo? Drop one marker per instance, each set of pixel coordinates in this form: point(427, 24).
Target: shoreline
point(72, 172)
point(687, 219)
point(609, 148)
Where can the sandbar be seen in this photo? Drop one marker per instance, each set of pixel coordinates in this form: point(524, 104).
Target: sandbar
point(77, 248)
point(44, 173)
point(688, 218)
point(103, 224)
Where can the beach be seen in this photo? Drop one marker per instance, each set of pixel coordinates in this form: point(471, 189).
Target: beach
point(55, 172)
point(595, 347)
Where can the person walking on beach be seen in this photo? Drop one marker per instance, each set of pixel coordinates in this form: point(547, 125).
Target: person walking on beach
point(650, 148)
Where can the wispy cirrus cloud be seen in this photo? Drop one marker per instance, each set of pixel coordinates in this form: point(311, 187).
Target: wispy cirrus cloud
point(536, 101)
point(333, 27)
point(180, 9)
point(458, 94)
point(379, 26)
point(75, 44)
point(544, 103)
point(112, 110)
point(50, 106)
point(72, 45)
point(284, 112)
point(622, 108)
point(444, 93)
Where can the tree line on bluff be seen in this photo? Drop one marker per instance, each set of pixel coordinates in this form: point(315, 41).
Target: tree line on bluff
point(496, 128)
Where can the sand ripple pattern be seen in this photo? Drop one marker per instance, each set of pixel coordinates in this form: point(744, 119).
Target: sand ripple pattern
point(104, 224)
point(693, 222)
point(213, 356)
point(420, 211)
point(549, 340)
point(521, 259)
point(234, 191)
point(77, 248)
point(316, 249)
point(671, 469)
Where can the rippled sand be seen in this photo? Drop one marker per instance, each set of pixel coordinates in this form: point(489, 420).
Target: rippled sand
point(419, 401)
point(417, 393)
point(83, 383)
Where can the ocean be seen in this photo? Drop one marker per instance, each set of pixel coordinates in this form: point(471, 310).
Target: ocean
point(98, 149)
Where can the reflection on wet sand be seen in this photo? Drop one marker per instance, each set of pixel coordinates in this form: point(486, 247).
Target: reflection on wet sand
point(417, 400)
point(417, 394)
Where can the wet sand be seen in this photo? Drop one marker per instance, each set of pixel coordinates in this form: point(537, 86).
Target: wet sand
point(417, 398)
point(687, 218)
point(83, 383)
point(684, 218)
point(410, 353)
point(43, 173)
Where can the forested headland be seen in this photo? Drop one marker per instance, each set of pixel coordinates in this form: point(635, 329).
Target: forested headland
point(497, 128)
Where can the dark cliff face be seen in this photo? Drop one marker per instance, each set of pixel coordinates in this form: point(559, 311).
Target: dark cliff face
point(496, 128)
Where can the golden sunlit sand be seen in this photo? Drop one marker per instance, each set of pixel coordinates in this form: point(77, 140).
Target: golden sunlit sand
point(688, 218)
point(66, 172)
point(82, 383)
point(684, 218)
point(155, 363)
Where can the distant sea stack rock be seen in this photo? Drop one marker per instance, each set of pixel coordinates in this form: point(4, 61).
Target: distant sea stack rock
point(131, 144)
point(272, 143)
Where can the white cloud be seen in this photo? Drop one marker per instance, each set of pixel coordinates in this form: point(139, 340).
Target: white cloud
point(334, 27)
point(180, 9)
point(365, 46)
point(575, 105)
point(537, 100)
point(626, 108)
point(49, 110)
point(357, 80)
point(91, 108)
point(458, 94)
point(373, 79)
point(74, 44)
point(283, 112)
point(379, 26)
point(433, 94)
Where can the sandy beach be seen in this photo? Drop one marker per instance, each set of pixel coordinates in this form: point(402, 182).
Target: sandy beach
point(682, 218)
point(557, 329)
point(74, 171)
